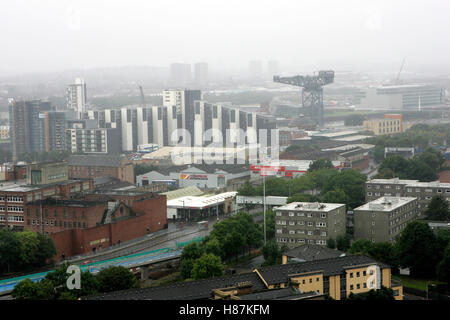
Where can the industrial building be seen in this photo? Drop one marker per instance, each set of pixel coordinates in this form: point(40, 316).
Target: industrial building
point(390, 124)
point(197, 208)
point(203, 176)
point(300, 223)
point(93, 166)
point(100, 219)
point(383, 219)
point(42, 181)
point(400, 97)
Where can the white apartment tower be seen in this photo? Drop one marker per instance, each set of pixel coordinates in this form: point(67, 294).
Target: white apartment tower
point(76, 96)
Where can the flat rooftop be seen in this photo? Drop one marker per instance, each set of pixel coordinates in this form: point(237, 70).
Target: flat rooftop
point(22, 186)
point(310, 206)
point(353, 138)
point(386, 204)
point(392, 181)
point(200, 202)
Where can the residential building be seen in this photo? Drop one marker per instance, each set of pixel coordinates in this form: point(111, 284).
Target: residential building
point(336, 277)
point(201, 73)
point(93, 166)
point(76, 96)
point(423, 191)
point(84, 136)
point(383, 219)
point(27, 133)
point(54, 130)
point(299, 223)
point(180, 74)
point(4, 132)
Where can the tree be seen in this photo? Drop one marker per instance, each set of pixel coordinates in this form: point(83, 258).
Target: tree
point(416, 249)
point(335, 196)
point(442, 241)
point(443, 268)
point(10, 252)
point(331, 243)
point(186, 266)
point(272, 253)
point(301, 197)
point(213, 246)
point(352, 183)
point(116, 278)
point(384, 252)
point(207, 266)
point(321, 164)
point(270, 224)
point(343, 242)
point(360, 246)
point(247, 189)
point(438, 209)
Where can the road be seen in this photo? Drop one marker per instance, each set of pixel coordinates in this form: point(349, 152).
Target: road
point(174, 234)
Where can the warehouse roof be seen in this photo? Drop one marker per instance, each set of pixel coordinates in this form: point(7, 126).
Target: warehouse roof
point(96, 160)
point(183, 192)
point(194, 202)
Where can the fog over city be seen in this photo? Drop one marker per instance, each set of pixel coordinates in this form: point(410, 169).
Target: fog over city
point(55, 35)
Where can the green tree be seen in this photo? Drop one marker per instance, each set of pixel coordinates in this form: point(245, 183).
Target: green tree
point(360, 246)
point(321, 164)
point(352, 183)
point(273, 253)
point(186, 266)
point(247, 189)
point(343, 242)
point(335, 196)
point(10, 251)
point(417, 249)
point(116, 278)
point(331, 243)
point(207, 266)
point(301, 197)
point(443, 268)
point(270, 224)
point(212, 246)
point(438, 209)
point(385, 252)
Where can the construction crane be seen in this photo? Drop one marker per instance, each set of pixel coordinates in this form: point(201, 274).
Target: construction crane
point(397, 81)
point(142, 96)
point(312, 93)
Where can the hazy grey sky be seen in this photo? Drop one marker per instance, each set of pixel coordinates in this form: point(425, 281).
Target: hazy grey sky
point(39, 35)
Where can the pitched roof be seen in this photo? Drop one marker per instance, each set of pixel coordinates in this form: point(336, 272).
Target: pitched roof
point(311, 252)
point(192, 290)
point(202, 289)
point(332, 266)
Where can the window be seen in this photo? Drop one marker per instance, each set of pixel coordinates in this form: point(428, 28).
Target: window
point(357, 274)
point(279, 231)
point(351, 287)
point(278, 214)
point(292, 223)
point(351, 274)
point(358, 286)
point(300, 214)
point(310, 215)
point(291, 214)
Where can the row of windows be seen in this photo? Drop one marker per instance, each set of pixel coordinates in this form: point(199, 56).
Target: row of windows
point(12, 209)
point(302, 223)
point(12, 198)
point(302, 241)
point(300, 214)
point(12, 218)
point(65, 224)
point(55, 213)
point(309, 232)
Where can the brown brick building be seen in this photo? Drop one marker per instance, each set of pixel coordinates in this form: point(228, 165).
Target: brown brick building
point(94, 166)
point(101, 219)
